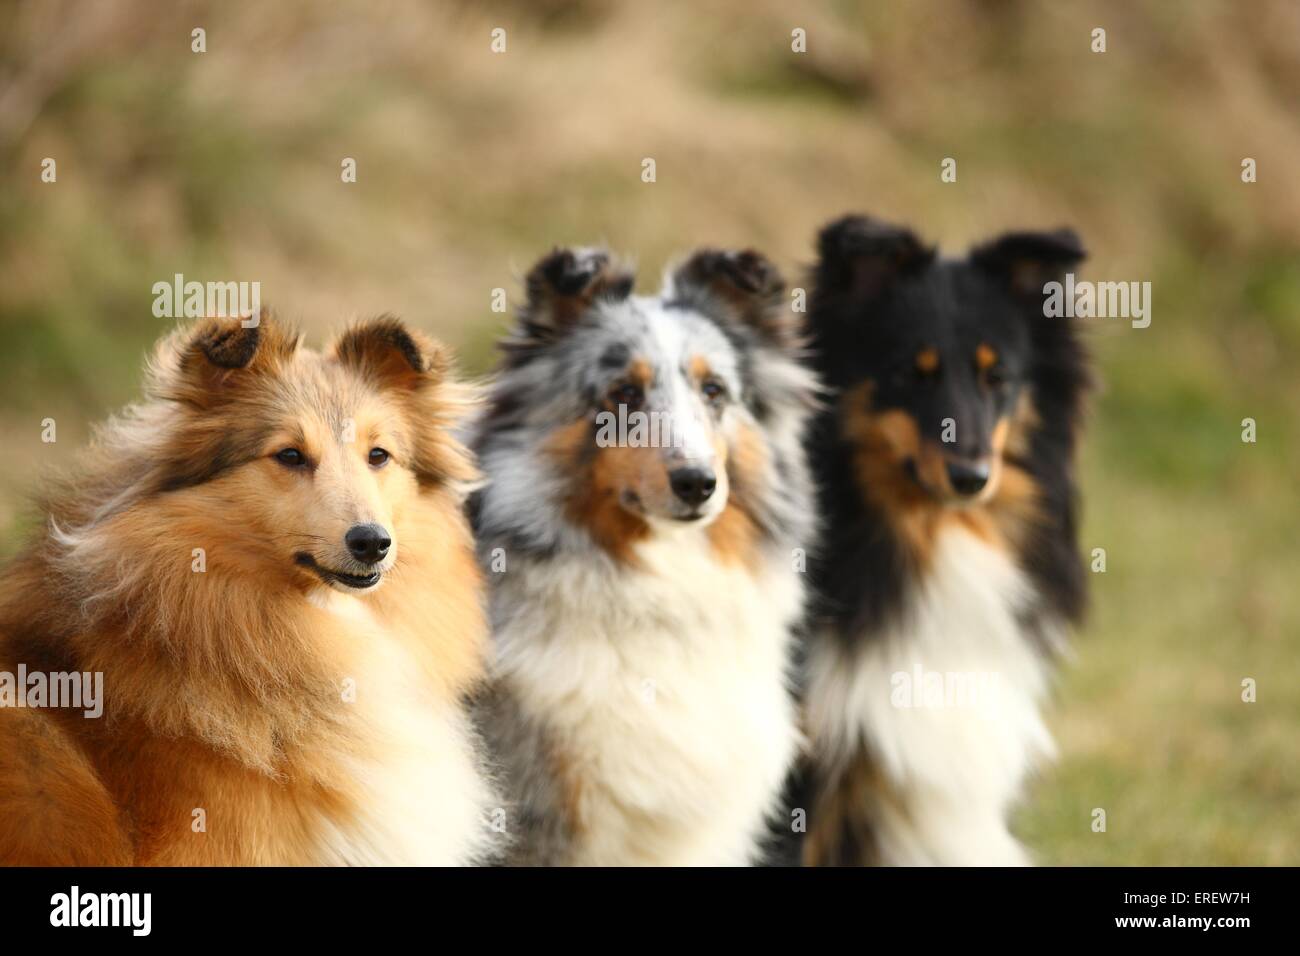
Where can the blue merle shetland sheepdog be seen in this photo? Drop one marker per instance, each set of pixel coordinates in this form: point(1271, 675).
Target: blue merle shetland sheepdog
point(643, 593)
point(949, 569)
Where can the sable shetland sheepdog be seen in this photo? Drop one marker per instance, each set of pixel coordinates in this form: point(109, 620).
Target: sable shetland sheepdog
point(949, 568)
point(268, 562)
point(642, 597)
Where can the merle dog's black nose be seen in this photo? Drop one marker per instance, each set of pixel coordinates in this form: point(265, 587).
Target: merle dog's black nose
point(368, 542)
point(967, 478)
point(693, 485)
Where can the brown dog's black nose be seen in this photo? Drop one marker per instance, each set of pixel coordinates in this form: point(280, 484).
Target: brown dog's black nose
point(693, 485)
point(368, 543)
point(967, 478)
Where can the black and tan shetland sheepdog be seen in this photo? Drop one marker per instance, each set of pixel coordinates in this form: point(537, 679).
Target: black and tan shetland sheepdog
point(949, 568)
point(644, 591)
point(268, 563)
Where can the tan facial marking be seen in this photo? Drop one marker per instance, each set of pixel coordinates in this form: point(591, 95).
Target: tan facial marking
point(985, 357)
point(884, 441)
point(927, 361)
point(604, 474)
point(1020, 426)
point(641, 372)
point(735, 534)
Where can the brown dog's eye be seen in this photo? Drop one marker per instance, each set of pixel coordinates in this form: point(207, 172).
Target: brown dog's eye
point(627, 394)
point(291, 457)
point(995, 377)
point(378, 457)
point(714, 390)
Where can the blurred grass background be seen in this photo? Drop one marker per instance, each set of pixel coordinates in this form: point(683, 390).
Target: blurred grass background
point(225, 165)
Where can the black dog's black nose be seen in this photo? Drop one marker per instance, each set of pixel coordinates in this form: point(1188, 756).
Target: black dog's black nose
point(967, 479)
point(368, 542)
point(693, 485)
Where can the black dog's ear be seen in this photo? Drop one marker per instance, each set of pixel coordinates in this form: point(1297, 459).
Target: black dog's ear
point(745, 286)
point(565, 284)
point(1027, 261)
point(860, 256)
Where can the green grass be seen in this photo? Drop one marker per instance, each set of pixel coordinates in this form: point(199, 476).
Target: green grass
point(1199, 532)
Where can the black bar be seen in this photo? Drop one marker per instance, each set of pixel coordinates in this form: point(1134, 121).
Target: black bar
point(552, 906)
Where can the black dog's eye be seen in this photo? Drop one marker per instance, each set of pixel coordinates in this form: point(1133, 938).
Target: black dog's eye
point(378, 457)
point(714, 390)
point(291, 457)
point(908, 375)
point(627, 394)
point(996, 377)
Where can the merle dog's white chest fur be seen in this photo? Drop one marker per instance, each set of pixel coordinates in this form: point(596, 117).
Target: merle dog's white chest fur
point(946, 703)
point(668, 686)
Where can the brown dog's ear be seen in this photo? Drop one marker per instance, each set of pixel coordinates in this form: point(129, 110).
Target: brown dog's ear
point(416, 371)
point(215, 357)
point(387, 353)
point(859, 256)
point(560, 288)
point(745, 286)
point(1027, 261)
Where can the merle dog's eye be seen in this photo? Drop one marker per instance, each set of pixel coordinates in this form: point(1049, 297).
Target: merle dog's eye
point(714, 390)
point(627, 394)
point(291, 457)
point(378, 457)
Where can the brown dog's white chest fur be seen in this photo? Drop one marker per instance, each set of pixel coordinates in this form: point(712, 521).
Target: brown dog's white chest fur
point(415, 794)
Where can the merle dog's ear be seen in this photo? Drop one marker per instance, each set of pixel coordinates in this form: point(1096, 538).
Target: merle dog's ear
point(564, 285)
point(745, 286)
point(1026, 261)
point(386, 352)
point(209, 361)
point(860, 256)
